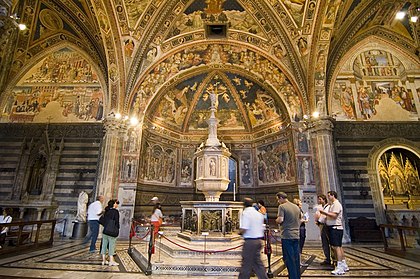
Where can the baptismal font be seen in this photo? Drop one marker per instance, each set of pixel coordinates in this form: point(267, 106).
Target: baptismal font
point(212, 169)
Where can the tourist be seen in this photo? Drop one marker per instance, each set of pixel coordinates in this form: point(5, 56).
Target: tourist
point(94, 212)
point(335, 231)
point(252, 230)
point(263, 210)
point(302, 229)
point(321, 220)
point(157, 216)
point(111, 223)
point(7, 218)
point(289, 219)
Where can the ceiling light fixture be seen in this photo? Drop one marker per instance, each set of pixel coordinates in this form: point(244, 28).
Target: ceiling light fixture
point(400, 15)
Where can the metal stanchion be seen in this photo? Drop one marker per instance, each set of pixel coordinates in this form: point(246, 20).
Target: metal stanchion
point(150, 251)
point(276, 231)
point(205, 234)
point(160, 247)
point(267, 250)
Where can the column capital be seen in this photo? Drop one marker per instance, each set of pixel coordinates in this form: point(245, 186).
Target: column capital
point(322, 124)
point(115, 124)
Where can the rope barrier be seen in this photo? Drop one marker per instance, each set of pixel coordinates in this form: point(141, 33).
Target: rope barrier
point(133, 232)
point(141, 238)
point(275, 238)
point(201, 251)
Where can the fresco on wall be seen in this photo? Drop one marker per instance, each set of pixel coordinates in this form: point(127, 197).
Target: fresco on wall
point(62, 87)
point(399, 176)
point(275, 163)
point(187, 166)
point(246, 170)
point(302, 142)
point(379, 96)
point(158, 164)
point(305, 171)
point(129, 169)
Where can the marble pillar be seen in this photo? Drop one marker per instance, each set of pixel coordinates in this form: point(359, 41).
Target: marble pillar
point(321, 131)
point(116, 129)
point(325, 159)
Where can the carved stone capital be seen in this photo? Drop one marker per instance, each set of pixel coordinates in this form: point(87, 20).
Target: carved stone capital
point(322, 125)
point(115, 125)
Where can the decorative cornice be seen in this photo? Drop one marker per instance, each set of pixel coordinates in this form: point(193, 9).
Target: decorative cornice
point(375, 130)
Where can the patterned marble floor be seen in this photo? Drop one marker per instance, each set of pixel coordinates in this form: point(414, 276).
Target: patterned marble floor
point(70, 259)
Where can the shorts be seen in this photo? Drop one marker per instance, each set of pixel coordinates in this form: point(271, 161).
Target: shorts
point(335, 236)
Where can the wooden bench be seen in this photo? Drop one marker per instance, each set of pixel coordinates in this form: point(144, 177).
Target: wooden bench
point(12, 237)
point(363, 229)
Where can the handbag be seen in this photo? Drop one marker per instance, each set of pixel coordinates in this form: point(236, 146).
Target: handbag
point(111, 228)
point(102, 220)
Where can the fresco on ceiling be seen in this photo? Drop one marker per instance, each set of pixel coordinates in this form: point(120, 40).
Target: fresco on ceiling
point(259, 107)
point(135, 9)
point(158, 164)
point(379, 96)
point(275, 163)
point(199, 55)
point(62, 87)
point(232, 12)
point(294, 7)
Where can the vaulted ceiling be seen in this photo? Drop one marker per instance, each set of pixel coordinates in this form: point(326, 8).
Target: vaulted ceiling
point(274, 59)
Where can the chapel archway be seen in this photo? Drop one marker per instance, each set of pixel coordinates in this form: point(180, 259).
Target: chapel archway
point(393, 178)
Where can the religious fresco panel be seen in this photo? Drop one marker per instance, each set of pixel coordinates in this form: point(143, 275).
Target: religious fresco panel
point(63, 87)
point(343, 104)
point(246, 177)
point(129, 169)
point(230, 11)
point(379, 95)
point(217, 54)
point(275, 163)
point(239, 99)
point(187, 166)
point(158, 163)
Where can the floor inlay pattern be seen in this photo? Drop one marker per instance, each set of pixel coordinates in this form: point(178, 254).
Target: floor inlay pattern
point(70, 259)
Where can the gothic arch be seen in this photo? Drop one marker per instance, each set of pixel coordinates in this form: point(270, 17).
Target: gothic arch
point(38, 57)
point(287, 86)
point(409, 62)
point(373, 175)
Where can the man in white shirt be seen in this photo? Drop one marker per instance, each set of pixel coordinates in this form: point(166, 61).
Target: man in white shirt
point(252, 230)
point(95, 211)
point(335, 231)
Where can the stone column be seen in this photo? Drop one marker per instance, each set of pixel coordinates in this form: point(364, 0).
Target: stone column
point(127, 185)
point(321, 131)
point(325, 160)
point(110, 157)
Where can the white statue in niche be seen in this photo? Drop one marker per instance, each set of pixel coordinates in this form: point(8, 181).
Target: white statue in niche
point(81, 207)
point(305, 171)
point(212, 166)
